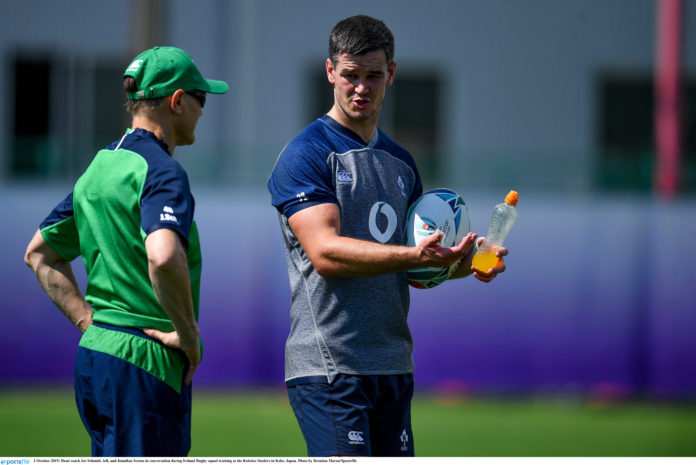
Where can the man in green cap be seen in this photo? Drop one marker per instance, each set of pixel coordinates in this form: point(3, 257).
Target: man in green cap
point(130, 217)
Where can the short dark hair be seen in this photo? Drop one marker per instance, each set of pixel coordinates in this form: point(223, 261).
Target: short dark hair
point(135, 106)
point(358, 35)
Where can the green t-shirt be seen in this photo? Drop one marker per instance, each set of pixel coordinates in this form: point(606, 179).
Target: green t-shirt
point(131, 188)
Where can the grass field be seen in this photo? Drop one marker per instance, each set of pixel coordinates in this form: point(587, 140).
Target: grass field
point(35, 423)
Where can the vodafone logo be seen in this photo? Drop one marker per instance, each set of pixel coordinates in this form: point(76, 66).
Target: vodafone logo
point(386, 210)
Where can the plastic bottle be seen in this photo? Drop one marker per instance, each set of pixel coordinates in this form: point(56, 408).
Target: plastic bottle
point(504, 216)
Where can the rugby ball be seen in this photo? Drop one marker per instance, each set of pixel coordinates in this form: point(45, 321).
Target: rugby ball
point(440, 210)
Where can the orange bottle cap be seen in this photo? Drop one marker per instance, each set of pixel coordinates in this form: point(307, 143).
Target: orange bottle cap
point(512, 197)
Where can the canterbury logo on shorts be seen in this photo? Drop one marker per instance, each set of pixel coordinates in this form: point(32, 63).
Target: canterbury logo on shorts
point(355, 437)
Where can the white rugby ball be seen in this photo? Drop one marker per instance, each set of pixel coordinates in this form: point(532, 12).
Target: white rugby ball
point(440, 210)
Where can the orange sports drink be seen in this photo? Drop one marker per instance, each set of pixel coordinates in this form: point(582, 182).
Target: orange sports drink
point(484, 261)
point(502, 219)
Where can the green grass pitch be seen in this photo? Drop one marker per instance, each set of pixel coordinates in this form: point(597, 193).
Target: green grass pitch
point(37, 423)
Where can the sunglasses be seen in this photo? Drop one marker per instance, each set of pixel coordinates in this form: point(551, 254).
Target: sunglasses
point(199, 95)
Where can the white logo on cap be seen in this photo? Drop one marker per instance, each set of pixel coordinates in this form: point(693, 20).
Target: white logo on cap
point(135, 66)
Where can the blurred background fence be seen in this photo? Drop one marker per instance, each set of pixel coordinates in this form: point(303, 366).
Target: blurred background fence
point(554, 99)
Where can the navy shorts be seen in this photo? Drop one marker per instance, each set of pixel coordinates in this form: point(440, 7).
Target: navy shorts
point(367, 415)
point(129, 412)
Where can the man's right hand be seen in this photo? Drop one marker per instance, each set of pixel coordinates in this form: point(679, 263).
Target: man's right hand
point(438, 256)
point(172, 339)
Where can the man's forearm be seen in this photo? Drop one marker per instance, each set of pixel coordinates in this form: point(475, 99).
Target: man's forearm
point(59, 283)
point(172, 286)
point(348, 257)
point(169, 274)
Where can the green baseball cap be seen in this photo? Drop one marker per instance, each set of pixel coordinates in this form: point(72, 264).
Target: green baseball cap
point(161, 71)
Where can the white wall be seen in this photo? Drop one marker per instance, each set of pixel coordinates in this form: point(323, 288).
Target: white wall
point(519, 75)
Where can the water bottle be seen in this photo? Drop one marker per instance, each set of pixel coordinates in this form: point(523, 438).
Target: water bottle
point(504, 216)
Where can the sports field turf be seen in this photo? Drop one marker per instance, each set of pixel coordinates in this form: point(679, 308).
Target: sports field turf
point(45, 423)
